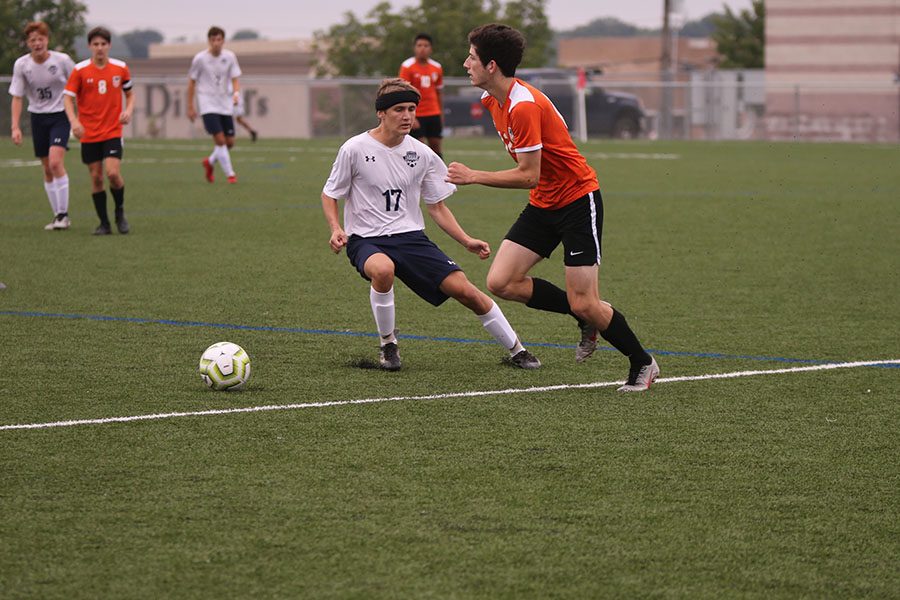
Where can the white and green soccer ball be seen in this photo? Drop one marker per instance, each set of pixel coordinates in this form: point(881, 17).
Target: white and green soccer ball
point(225, 366)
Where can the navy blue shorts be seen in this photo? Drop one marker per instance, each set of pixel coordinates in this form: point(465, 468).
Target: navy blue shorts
point(418, 262)
point(49, 129)
point(579, 226)
point(92, 152)
point(214, 123)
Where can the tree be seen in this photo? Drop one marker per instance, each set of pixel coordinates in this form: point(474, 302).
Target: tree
point(377, 45)
point(65, 18)
point(245, 34)
point(741, 38)
point(139, 41)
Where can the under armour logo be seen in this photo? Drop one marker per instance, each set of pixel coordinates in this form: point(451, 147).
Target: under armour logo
point(370, 158)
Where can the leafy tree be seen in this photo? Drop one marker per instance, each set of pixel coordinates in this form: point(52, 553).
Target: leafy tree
point(65, 18)
point(378, 44)
point(741, 38)
point(245, 34)
point(605, 26)
point(701, 28)
point(139, 40)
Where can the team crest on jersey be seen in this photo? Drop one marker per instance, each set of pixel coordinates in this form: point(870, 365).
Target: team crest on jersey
point(411, 158)
point(52, 69)
point(117, 80)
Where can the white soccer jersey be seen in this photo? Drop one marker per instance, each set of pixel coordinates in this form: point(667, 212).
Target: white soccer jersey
point(43, 83)
point(213, 75)
point(382, 186)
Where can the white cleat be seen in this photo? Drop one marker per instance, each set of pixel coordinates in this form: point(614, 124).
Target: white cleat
point(642, 378)
point(62, 223)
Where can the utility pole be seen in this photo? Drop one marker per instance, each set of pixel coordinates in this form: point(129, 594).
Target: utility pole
point(665, 68)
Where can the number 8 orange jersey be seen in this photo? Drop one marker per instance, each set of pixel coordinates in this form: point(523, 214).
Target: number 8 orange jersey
point(98, 93)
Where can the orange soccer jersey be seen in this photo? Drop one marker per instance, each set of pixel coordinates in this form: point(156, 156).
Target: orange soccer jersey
point(528, 121)
point(99, 96)
point(428, 78)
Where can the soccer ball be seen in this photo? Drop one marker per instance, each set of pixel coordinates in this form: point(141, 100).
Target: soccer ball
point(225, 366)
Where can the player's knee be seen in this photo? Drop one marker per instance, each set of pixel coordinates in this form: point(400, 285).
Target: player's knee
point(115, 178)
point(499, 286)
point(581, 305)
point(381, 272)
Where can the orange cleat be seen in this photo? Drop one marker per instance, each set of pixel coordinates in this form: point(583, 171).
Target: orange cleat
point(210, 174)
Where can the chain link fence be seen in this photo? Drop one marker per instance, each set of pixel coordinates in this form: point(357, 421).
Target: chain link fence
point(718, 105)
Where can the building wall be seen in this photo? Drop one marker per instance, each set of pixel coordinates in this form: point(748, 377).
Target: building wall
point(832, 69)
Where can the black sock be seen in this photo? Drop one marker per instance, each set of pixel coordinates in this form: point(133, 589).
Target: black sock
point(118, 196)
point(622, 338)
point(100, 206)
point(546, 296)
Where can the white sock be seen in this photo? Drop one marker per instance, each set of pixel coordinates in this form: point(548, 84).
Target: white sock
point(495, 322)
point(383, 309)
point(214, 156)
point(62, 194)
point(225, 160)
point(50, 188)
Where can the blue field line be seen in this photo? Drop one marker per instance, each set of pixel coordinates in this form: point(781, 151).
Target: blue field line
point(455, 340)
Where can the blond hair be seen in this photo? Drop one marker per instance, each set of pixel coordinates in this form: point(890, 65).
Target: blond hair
point(395, 84)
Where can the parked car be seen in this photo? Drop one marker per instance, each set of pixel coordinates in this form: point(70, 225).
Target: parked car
point(611, 114)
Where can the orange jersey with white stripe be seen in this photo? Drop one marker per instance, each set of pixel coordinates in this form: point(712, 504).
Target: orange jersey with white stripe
point(428, 78)
point(98, 93)
point(528, 121)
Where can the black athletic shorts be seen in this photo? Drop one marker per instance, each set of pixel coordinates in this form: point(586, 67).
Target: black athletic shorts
point(579, 226)
point(429, 127)
point(215, 123)
point(418, 262)
point(49, 129)
point(92, 152)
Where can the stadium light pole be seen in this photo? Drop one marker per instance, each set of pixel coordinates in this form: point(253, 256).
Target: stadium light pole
point(665, 67)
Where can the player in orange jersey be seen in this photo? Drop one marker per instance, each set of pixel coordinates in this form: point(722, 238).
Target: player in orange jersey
point(97, 85)
point(565, 204)
point(427, 76)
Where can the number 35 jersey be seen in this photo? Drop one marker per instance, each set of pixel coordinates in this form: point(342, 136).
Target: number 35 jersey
point(98, 93)
point(42, 83)
point(382, 186)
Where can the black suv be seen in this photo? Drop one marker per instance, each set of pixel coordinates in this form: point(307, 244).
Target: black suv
point(611, 114)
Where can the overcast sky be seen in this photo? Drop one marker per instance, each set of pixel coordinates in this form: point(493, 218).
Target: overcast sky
point(280, 19)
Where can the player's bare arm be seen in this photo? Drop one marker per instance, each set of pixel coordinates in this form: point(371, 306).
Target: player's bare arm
point(236, 95)
point(338, 236)
point(16, 114)
point(191, 111)
point(525, 175)
point(77, 127)
point(447, 221)
point(125, 117)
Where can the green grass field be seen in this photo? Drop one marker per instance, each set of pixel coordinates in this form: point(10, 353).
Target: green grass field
point(725, 257)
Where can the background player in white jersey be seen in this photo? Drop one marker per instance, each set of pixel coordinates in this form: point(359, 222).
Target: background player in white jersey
point(41, 76)
point(382, 174)
point(214, 76)
point(240, 110)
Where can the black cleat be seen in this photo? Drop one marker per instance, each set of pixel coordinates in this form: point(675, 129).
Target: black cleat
point(121, 221)
point(525, 360)
point(389, 357)
point(103, 229)
point(253, 135)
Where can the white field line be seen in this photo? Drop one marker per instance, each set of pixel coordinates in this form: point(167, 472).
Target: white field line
point(473, 394)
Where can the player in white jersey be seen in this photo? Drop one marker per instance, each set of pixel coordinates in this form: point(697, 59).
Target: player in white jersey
point(240, 111)
point(214, 77)
point(382, 175)
point(41, 76)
